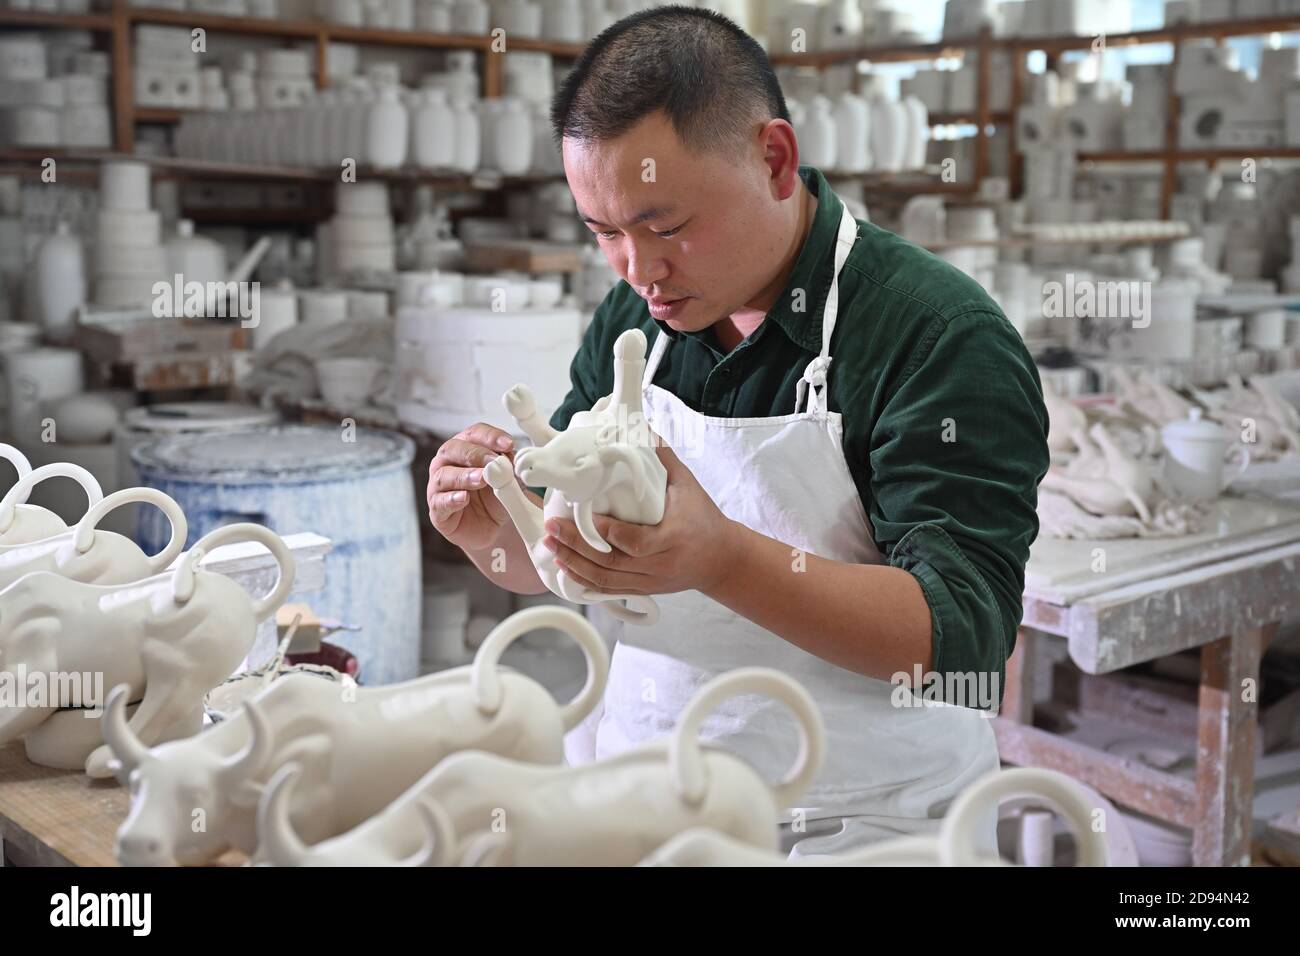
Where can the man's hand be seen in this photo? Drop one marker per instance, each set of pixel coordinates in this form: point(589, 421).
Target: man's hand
point(689, 549)
point(462, 507)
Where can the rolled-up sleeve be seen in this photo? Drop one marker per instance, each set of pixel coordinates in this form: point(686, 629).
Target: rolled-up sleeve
point(957, 453)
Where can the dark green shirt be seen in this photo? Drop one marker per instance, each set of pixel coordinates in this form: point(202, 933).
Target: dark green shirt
point(945, 430)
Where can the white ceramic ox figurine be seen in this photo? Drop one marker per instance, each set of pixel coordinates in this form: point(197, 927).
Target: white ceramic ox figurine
point(954, 845)
point(603, 463)
point(97, 557)
point(359, 748)
point(608, 813)
point(21, 523)
point(169, 638)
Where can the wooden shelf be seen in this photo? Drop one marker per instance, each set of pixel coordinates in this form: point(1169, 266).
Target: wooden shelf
point(101, 22)
point(1192, 155)
point(255, 26)
point(158, 114)
point(442, 41)
point(968, 119)
point(876, 54)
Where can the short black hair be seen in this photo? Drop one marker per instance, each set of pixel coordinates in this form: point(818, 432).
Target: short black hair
point(709, 76)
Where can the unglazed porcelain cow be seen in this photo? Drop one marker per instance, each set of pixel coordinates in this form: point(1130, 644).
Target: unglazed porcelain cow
point(603, 463)
point(358, 748)
point(97, 557)
point(169, 639)
point(954, 845)
point(609, 813)
point(21, 523)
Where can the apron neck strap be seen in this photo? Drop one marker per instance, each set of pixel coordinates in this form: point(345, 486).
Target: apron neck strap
point(652, 363)
point(815, 374)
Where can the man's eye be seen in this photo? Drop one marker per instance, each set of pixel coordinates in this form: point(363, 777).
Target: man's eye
point(607, 235)
point(669, 232)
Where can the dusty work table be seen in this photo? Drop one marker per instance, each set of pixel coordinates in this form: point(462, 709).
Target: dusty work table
point(1224, 594)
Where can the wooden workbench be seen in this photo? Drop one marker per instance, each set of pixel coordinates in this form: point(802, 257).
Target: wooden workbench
point(1228, 608)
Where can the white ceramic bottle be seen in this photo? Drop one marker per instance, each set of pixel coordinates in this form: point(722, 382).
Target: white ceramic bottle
point(469, 17)
point(512, 138)
point(851, 149)
point(918, 132)
point(387, 130)
point(889, 124)
point(467, 137)
point(60, 279)
point(821, 142)
point(562, 21)
point(434, 139)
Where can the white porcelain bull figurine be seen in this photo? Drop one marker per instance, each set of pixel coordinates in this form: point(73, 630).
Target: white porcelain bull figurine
point(97, 557)
point(21, 523)
point(609, 813)
point(358, 748)
point(169, 639)
point(954, 845)
point(603, 463)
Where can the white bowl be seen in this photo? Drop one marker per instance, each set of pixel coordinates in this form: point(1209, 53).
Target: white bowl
point(364, 229)
point(361, 199)
point(124, 186)
point(129, 227)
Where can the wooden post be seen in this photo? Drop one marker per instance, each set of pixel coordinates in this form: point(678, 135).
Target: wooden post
point(323, 58)
point(1016, 57)
point(1225, 749)
point(1169, 167)
point(123, 82)
point(1018, 698)
point(983, 71)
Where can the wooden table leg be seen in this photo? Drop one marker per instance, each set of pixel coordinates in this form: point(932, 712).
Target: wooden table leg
point(1225, 748)
point(1018, 700)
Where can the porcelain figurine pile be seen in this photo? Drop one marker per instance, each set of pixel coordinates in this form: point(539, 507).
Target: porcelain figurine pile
point(354, 750)
point(1153, 462)
point(603, 463)
point(82, 609)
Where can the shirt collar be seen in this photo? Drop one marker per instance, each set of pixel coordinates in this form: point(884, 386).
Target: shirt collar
point(810, 279)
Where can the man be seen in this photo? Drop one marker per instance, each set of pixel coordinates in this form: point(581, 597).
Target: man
point(857, 434)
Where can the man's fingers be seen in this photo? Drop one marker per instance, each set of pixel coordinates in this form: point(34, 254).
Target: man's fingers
point(635, 540)
point(594, 576)
point(447, 503)
point(481, 433)
point(465, 454)
point(451, 478)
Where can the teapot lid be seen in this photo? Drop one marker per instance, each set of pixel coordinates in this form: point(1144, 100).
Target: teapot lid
point(1195, 427)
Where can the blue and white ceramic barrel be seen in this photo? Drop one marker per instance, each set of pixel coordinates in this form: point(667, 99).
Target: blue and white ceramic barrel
point(351, 485)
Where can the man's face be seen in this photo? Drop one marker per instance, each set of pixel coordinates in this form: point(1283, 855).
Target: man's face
point(690, 232)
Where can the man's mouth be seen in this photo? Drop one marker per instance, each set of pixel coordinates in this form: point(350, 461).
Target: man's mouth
point(664, 308)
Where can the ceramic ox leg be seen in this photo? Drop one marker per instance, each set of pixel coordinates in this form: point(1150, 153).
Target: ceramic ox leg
point(520, 404)
point(528, 520)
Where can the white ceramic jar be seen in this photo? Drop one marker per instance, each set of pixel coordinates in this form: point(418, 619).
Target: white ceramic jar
point(852, 151)
point(889, 125)
point(512, 138)
point(1196, 451)
point(467, 136)
point(562, 21)
point(433, 16)
point(470, 17)
point(820, 143)
point(387, 130)
point(434, 137)
point(60, 279)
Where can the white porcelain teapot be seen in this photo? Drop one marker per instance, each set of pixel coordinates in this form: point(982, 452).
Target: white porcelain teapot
point(1197, 450)
point(21, 523)
point(97, 557)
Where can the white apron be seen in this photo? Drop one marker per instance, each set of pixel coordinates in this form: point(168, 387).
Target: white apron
point(888, 770)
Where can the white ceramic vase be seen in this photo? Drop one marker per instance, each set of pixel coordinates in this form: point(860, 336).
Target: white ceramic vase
point(889, 125)
point(387, 130)
point(434, 139)
point(852, 149)
point(467, 136)
point(821, 143)
point(512, 138)
point(60, 279)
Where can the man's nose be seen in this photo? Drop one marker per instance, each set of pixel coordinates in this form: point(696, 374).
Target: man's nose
point(643, 267)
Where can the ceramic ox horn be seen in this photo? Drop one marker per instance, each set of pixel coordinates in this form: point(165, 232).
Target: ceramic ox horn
point(22, 523)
